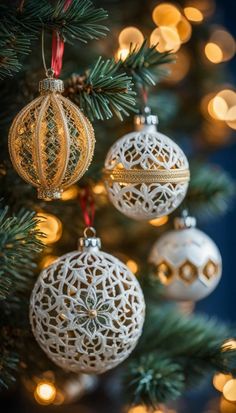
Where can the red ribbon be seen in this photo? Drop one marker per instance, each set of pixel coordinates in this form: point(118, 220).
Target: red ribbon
point(58, 47)
point(88, 207)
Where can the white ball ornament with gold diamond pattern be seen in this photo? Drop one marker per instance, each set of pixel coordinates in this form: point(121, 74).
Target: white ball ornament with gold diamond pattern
point(51, 142)
point(87, 310)
point(146, 174)
point(186, 261)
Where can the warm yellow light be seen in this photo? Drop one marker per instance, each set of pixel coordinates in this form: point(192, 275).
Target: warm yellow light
point(184, 30)
point(48, 260)
point(166, 38)
point(229, 345)
point(122, 53)
point(193, 14)
point(229, 96)
point(70, 193)
point(130, 35)
point(231, 117)
point(213, 53)
point(225, 41)
point(219, 107)
point(132, 265)
point(99, 189)
point(166, 14)
point(157, 222)
point(220, 379)
point(229, 390)
point(226, 406)
point(45, 393)
point(51, 226)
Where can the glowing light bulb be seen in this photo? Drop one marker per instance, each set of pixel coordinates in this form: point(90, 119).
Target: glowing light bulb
point(193, 14)
point(219, 107)
point(166, 14)
point(122, 53)
point(132, 265)
point(225, 42)
point(184, 30)
point(45, 393)
point(213, 52)
point(49, 225)
point(220, 379)
point(130, 35)
point(229, 390)
point(157, 222)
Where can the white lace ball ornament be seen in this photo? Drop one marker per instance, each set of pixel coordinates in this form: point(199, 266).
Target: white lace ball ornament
point(187, 262)
point(87, 310)
point(146, 174)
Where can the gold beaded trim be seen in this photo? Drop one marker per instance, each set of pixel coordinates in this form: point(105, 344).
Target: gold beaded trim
point(152, 176)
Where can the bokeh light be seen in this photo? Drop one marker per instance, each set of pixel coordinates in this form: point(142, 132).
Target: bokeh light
point(130, 35)
point(48, 260)
point(193, 14)
point(45, 393)
point(166, 14)
point(49, 225)
point(226, 406)
point(122, 53)
point(229, 390)
point(99, 189)
point(225, 41)
point(70, 193)
point(221, 106)
point(166, 38)
point(213, 52)
point(184, 30)
point(157, 222)
point(132, 265)
point(206, 7)
point(220, 379)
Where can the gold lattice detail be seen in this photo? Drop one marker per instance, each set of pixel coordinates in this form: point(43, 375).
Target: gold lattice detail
point(51, 144)
point(152, 176)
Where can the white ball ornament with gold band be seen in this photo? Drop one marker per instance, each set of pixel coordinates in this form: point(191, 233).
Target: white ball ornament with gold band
point(146, 174)
point(186, 261)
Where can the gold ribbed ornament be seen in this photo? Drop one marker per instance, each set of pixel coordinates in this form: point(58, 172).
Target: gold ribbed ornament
point(51, 142)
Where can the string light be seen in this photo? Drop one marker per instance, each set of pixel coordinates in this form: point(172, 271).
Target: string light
point(166, 14)
point(166, 38)
point(132, 265)
point(157, 222)
point(213, 52)
point(193, 14)
point(220, 379)
point(70, 193)
point(122, 53)
point(49, 225)
point(130, 35)
point(229, 390)
point(45, 393)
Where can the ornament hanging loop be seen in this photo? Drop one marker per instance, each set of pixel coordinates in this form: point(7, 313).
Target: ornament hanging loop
point(89, 232)
point(48, 71)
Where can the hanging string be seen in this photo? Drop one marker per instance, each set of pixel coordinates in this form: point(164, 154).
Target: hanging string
point(88, 206)
point(58, 47)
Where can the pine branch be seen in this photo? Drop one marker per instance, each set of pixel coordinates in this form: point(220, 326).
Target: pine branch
point(188, 346)
point(145, 64)
point(102, 91)
point(211, 191)
point(153, 379)
point(79, 21)
point(18, 247)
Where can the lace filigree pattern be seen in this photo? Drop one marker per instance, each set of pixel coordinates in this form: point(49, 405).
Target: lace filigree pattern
point(87, 311)
point(146, 175)
point(51, 144)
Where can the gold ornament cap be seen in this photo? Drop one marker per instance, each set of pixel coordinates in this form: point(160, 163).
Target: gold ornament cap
point(146, 118)
point(51, 85)
point(185, 221)
point(89, 240)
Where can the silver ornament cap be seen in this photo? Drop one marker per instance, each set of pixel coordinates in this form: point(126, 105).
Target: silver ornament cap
point(185, 221)
point(51, 85)
point(89, 240)
point(146, 119)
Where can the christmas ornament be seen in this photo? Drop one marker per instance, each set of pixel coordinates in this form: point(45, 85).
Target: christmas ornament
point(187, 261)
point(146, 174)
point(87, 309)
point(51, 142)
